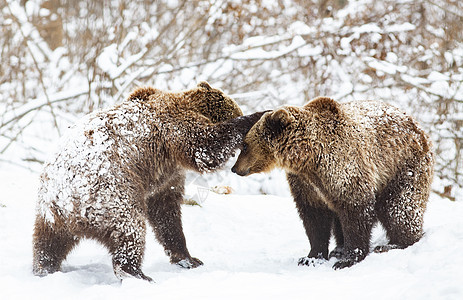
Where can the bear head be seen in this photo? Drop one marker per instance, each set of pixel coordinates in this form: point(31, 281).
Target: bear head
point(296, 134)
point(262, 141)
point(214, 104)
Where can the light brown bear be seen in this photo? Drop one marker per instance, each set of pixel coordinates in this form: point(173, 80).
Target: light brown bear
point(119, 167)
point(348, 165)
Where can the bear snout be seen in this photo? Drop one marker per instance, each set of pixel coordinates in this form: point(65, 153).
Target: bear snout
point(240, 172)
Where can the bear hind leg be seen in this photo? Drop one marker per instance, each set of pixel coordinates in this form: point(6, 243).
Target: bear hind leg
point(51, 244)
point(127, 248)
point(400, 209)
point(126, 259)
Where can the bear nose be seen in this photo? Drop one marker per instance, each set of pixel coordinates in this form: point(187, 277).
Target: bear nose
point(234, 169)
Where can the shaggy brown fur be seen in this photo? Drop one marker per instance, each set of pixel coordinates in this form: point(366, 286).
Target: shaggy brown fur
point(119, 167)
point(347, 165)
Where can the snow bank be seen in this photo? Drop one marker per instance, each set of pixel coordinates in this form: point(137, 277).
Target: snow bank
point(250, 246)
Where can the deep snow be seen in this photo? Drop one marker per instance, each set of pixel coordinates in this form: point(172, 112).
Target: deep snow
point(250, 246)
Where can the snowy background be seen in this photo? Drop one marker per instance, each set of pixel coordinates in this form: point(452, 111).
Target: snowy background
point(249, 245)
point(61, 59)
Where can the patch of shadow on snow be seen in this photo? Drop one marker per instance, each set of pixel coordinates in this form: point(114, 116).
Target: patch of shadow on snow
point(92, 274)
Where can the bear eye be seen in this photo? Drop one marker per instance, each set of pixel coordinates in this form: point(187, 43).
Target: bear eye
point(245, 147)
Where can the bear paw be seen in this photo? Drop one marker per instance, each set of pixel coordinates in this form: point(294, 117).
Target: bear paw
point(337, 252)
point(311, 261)
point(127, 271)
point(386, 248)
point(350, 258)
point(41, 272)
point(190, 263)
point(344, 263)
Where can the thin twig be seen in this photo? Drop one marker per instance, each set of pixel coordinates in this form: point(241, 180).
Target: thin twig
point(39, 106)
point(444, 195)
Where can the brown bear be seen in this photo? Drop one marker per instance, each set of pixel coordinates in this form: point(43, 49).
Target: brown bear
point(118, 167)
point(348, 165)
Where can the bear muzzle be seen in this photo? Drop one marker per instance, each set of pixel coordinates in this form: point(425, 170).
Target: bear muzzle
point(240, 172)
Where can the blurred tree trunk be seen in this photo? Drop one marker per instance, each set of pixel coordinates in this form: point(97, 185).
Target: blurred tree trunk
point(49, 23)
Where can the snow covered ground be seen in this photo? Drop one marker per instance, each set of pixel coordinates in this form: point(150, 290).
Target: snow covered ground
point(249, 245)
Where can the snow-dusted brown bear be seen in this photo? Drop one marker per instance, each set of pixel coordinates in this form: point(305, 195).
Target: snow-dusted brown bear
point(347, 165)
point(118, 167)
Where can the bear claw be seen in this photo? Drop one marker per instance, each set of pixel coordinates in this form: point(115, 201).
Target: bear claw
point(386, 248)
point(190, 263)
point(310, 261)
point(337, 252)
point(344, 263)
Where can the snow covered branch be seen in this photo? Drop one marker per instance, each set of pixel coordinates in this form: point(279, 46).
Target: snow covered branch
point(61, 60)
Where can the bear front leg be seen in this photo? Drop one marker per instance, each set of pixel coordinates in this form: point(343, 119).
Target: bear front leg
point(317, 223)
point(164, 215)
point(357, 222)
point(316, 218)
point(339, 237)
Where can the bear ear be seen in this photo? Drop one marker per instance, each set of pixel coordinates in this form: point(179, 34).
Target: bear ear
point(278, 120)
point(205, 84)
point(324, 104)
